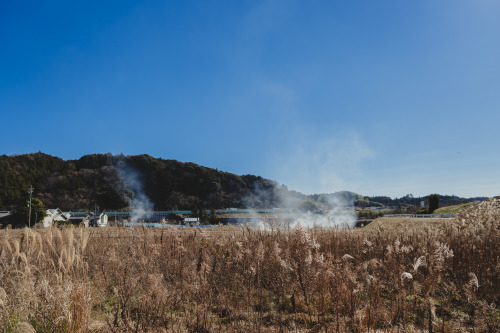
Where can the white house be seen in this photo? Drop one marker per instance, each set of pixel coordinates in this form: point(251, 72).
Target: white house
point(54, 215)
point(99, 221)
point(80, 220)
point(4, 213)
point(191, 221)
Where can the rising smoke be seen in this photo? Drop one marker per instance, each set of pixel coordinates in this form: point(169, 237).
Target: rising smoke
point(320, 163)
point(139, 201)
point(337, 210)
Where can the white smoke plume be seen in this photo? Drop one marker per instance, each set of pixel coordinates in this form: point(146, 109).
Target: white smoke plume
point(318, 163)
point(334, 210)
point(140, 203)
point(341, 214)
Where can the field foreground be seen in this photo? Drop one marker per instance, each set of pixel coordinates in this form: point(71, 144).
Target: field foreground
point(411, 279)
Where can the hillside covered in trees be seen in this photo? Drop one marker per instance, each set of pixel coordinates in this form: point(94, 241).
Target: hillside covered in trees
point(114, 181)
point(102, 179)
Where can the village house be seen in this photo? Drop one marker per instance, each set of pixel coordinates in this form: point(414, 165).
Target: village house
point(80, 220)
point(55, 215)
point(100, 220)
point(85, 219)
point(4, 217)
point(191, 221)
point(4, 213)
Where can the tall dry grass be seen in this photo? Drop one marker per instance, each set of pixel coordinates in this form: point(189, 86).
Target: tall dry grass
point(44, 280)
point(246, 280)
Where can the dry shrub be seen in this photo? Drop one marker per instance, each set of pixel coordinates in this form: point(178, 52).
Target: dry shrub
point(44, 280)
point(245, 280)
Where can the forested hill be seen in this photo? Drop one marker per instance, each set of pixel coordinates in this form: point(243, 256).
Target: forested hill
point(101, 179)
point(112, 182)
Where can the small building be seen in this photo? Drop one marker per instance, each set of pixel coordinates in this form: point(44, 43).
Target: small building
point(83, 219)
point(55, 215)
point(191, 221)
point(80, 220)
point(99, 220)
point(4, 213)
point(4, 217)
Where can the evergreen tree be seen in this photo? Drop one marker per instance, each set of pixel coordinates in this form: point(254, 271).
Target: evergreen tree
point(203, 216)
point(38, 212)
point(433, 202)
point(195, 211)
point(213, 219)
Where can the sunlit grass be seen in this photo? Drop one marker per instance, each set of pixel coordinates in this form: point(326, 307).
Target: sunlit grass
point(440, 276)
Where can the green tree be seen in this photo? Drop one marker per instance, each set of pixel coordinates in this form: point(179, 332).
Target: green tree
point(213, 219)
point(203, 216)
point(195, 211)
point(38, 212)
point(433, 202)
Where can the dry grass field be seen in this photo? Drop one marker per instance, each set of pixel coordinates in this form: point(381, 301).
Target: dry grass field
point(455, 209)
point(407, 277)
point(402, 223)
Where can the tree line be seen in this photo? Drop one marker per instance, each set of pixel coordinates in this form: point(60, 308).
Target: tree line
point(102, 179)
point(98, 178)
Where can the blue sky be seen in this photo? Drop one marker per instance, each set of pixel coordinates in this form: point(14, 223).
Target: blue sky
point(377, 97)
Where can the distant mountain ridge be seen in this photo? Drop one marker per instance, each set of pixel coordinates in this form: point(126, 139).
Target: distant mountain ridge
point(114, 182)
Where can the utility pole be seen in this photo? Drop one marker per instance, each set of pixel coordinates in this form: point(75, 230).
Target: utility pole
point(30, 192)
point(96, 208)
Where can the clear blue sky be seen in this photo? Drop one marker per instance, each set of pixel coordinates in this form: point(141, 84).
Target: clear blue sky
point(377, 97)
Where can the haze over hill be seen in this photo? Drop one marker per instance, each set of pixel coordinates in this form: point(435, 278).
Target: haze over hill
point(117, 182)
